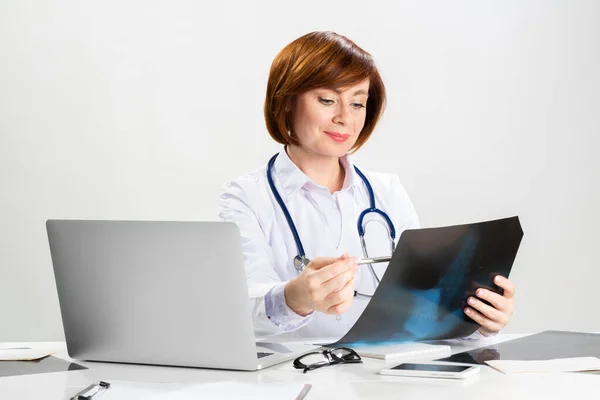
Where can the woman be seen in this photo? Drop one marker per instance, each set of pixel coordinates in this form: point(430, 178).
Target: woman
point(324, 99)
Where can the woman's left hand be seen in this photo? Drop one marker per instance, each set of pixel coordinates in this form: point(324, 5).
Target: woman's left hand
point(492, 319)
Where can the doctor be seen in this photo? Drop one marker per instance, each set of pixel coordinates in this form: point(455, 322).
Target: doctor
point(324, 99)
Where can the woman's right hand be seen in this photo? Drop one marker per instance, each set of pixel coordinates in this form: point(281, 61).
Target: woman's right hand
point(326, 285)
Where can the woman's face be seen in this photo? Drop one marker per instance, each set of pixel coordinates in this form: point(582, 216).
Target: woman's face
point(327, 122)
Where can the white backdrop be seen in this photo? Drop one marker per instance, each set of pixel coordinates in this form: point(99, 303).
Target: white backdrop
point(142, 109)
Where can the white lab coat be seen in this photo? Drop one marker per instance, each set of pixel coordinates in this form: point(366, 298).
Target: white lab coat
point(327, 226)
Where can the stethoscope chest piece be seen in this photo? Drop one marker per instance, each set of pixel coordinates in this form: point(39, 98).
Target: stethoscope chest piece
point(300, 263)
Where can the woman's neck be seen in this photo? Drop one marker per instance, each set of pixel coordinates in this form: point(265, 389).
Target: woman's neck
point(323, 170)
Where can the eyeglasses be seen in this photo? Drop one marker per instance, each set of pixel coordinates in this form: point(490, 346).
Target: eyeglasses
point(318, 359)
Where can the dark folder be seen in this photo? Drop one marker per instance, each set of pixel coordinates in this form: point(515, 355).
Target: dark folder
point(546, 345)
point(40, 366)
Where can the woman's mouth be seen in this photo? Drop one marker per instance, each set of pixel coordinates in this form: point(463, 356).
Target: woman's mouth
point(338, 137)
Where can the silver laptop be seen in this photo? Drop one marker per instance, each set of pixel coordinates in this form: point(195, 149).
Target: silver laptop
point(164, 293)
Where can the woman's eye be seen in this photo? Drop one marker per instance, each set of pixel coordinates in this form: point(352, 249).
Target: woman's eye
point(325, 101)
point(358, 105)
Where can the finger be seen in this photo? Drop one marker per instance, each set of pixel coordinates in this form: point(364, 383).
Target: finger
point(337, 282)
point(489, 312)
point(330, 271)
point(482, 320)
point(507, 285)
point(340, 308)
point(499, 302)
point(320, 262)
point(341, 295)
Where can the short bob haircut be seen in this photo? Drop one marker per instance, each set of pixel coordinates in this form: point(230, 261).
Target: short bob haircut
point(320, 60)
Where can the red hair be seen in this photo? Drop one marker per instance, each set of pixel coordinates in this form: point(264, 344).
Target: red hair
point(317, 60)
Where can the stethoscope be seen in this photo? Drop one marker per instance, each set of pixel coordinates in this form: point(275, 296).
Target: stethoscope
point(301, 261)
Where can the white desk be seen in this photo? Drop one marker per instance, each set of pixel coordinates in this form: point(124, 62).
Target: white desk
point(338, 382)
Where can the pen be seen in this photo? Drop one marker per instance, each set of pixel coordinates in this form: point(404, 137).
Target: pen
point(89, 393)
point(374, 260)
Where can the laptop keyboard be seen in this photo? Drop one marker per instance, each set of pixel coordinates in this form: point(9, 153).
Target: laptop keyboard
point(260, 354)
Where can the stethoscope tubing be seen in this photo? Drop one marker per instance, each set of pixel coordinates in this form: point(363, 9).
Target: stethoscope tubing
point(300, 261)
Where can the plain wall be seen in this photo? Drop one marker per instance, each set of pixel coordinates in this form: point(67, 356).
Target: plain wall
point(143, 109)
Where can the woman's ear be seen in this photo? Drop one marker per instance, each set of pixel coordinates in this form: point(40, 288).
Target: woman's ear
point(289, 103)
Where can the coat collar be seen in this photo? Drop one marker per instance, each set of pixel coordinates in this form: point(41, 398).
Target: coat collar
point(291, 178)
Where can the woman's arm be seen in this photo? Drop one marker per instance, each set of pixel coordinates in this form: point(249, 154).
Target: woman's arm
point(271, 314)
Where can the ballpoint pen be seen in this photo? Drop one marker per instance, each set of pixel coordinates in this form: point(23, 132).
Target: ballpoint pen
point(89, 392)
point(374, 260)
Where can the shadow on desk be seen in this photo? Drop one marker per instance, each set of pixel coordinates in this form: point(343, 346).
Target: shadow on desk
point(43, 365)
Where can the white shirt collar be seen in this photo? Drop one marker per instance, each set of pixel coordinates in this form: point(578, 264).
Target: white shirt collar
point(292, 178)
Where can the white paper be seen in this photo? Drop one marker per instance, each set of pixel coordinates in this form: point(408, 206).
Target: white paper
point(235, 390)
point(554, 365)
point(409, 350)
point(226, 390)
point(133, 390)
point(23, 353)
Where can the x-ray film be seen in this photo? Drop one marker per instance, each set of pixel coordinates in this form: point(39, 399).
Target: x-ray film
point(432, 273)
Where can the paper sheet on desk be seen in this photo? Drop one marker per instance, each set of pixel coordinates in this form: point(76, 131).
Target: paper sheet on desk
point(577, 364)
point(23, 353)
point(125, 390)
point(238, 390)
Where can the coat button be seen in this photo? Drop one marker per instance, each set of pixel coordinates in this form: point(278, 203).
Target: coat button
point(338, 317)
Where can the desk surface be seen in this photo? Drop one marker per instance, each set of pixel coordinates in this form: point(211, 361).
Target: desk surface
point(344, 382)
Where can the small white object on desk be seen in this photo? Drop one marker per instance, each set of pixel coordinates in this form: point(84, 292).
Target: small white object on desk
point(577, 364)
point(407, 350)
point(23, 353)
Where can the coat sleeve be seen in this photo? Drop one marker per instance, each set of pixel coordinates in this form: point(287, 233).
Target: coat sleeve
point(270, 312)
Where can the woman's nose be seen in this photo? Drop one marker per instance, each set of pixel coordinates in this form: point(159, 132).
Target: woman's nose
point(341, 116)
